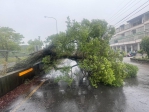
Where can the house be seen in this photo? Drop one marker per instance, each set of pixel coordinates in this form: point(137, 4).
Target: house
point(128, 36)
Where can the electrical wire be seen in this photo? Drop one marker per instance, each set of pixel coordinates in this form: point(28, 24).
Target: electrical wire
point(137, 12)
point(131, 13)
point(125, 6)
point(128, 9)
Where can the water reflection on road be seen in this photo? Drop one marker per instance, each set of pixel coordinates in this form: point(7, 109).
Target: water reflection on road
point(132, 97)
point(104, 99)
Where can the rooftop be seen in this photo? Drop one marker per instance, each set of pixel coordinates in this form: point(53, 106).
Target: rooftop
point(137, 17)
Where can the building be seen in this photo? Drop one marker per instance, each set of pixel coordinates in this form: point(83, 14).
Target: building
point(128, 36)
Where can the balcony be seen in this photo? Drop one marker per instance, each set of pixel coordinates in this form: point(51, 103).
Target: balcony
point(122, 39)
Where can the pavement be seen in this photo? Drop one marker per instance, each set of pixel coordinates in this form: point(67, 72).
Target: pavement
point(47, 97)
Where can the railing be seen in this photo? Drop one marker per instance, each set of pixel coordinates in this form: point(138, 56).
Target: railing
point(131, 37)
point(134, 37)
point(111, 42)
point(131, 26)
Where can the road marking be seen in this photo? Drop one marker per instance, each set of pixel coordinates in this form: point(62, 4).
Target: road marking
point(23, 101)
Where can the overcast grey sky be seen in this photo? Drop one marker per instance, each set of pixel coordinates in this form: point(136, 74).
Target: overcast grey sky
point(27, 16)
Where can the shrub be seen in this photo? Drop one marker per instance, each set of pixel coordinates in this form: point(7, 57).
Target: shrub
point(124, 54)
point(141, 52)
point(131, 70)
point(119, 73)
point(145, 45)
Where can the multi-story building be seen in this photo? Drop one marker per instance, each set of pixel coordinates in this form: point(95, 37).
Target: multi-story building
point(128, 36)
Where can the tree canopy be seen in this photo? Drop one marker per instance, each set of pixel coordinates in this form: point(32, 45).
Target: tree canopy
point(9, 41)
point(34, 43)
point(86, 42)
point(145, 45)
point(90, 41)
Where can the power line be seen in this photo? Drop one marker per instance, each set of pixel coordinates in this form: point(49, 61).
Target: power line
point(128, 9)
point(138, 11)
point(121, 9)
point(131, 13)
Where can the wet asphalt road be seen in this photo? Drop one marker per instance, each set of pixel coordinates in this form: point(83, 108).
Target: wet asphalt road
point(132, 97)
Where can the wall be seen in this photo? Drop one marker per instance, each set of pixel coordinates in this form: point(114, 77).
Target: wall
point(12, 80)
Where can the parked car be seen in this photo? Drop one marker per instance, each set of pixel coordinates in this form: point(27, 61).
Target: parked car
point(128, 55)
point(131, 54)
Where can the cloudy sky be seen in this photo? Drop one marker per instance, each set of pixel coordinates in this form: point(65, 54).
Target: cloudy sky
point(27, 16)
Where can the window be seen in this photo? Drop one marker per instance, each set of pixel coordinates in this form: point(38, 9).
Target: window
point(147, 26)
point(122, 28)
point(134, 31)
point(122, 35)
point(140, 29)
point(147, 17)
point(137, 22)
point(147, 34)
point(126, 26)
point(127, 33)
point(117, 30)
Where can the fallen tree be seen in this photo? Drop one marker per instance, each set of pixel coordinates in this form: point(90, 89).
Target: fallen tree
point(38, 56)
point(86, 42)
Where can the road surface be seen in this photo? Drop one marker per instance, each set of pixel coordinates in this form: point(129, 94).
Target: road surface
point(45, 97)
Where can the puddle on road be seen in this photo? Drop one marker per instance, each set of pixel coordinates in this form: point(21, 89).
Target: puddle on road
point(83, 98)
point(79, 98)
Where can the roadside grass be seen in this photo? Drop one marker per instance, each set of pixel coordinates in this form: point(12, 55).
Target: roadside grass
point(4, 65)
point(11, 59)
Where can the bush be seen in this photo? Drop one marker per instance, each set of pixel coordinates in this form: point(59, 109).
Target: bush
point(131, 70)
point(145, 45)
point(119, 73)
point(124, 54)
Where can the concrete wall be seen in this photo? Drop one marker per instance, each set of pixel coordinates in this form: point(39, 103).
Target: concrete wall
point(12, 80)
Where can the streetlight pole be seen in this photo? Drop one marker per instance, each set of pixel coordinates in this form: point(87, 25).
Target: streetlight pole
point(55, 20)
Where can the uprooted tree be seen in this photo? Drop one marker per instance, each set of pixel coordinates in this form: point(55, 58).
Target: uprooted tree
point(86, 42)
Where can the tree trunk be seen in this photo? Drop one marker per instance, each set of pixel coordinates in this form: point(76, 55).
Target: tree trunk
point(6, 57)
point(35, 57)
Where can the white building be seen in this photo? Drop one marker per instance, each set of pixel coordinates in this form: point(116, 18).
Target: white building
point(128, 36)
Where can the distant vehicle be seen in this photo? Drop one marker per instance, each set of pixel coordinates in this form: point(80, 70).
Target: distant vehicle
point(131, 54)
point(128, 55)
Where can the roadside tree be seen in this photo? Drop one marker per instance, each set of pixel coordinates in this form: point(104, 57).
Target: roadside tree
point(145, 45)
point(34, 44)
point(9, 41)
